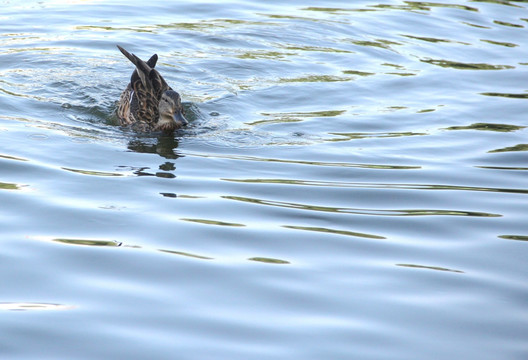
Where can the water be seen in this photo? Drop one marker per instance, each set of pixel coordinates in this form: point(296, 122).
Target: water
point(352, 184)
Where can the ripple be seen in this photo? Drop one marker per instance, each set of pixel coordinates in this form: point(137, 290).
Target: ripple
point(89, 242)
point(339, 184)
point(514, 237)
point(213, 222)
point(466, 66)
point(335, 231)
point(506, 95)
point(359, 211)
point(488, 127)
point(29, 306)
point(269, 260)
point(312, 163)
point(11, 186)
point(92, 172)
point(437, 268)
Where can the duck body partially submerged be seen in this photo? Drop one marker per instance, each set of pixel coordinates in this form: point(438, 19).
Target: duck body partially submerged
point(148, 103)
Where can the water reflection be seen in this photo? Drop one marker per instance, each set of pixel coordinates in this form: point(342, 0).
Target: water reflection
point(88, 242)
point(25, 306)
point(335, 231)
point(514, 237)
point(429, 268)
point(358, 211)
point(518, 147)
point(488, 127)
point(388, 185)
point(466, 66)
point(164, 146)
point(9, 186)
point(269, 260)
point(212, 222)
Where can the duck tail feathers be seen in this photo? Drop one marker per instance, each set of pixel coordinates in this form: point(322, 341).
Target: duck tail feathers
point(143, 68)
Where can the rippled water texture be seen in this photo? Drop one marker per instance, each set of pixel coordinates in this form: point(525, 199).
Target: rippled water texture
point(353, 183)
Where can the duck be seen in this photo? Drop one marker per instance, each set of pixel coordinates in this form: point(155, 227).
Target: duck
point(148, 103)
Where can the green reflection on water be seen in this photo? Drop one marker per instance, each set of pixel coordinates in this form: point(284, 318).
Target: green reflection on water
point(212, 222)
point(488, 127)
point(268, 260)
point(511, 96)
point(429, 268)
point(380, 43)
point(323, 113)
point(185, 254)
point(8, 157)
point(354, 136)
point(91, 172)
point(514, 237)
point(383, 185)
point(334, 231)
point(316, 49)
point(314, 163)
point(272, 55)
point(519, 147)
point(507, 44)
point(9, 186)
point(475, 25)
point(316, 78)
point(359, 73)
point(428, 39)
point(504, 23)
point(290, 117)
point(421, 5)
point(358, 211)
point(466, 66)
point(88, 242)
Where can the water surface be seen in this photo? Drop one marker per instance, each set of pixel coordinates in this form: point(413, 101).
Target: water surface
point(352, 183)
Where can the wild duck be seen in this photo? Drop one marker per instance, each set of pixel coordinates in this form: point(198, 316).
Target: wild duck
point(148, 103)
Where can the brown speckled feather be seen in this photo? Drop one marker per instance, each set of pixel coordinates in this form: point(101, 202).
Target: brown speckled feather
point(138, 104)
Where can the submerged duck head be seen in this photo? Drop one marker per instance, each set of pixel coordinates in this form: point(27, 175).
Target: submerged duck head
point(170, 112)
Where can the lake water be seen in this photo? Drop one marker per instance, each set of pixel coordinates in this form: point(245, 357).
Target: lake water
point(353, 183)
